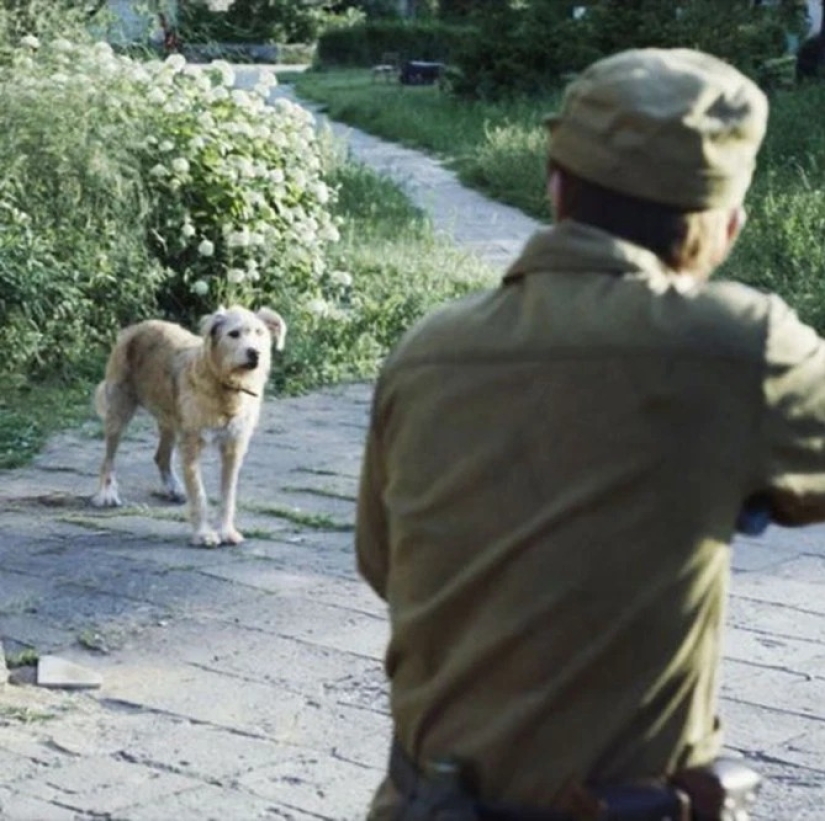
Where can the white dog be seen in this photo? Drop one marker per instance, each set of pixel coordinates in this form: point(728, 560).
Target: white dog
point(194, 386)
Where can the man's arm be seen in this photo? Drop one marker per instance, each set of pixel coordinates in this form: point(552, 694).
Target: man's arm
point(371, 536)
point(794, 422)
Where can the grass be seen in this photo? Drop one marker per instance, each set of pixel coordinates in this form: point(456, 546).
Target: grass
point(29, 414)
point(316, 491)
point(399, 270)
point(92, 640)
point(316, 521)
point(22, 715)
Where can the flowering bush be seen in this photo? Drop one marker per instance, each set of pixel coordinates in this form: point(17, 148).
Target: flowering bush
point(74, 262)
point(242, 209)
point(225, 192)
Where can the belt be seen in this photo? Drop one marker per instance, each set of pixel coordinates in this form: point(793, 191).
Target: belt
point(439, 792)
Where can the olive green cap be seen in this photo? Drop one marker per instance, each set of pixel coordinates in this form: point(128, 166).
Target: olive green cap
point(674, 126)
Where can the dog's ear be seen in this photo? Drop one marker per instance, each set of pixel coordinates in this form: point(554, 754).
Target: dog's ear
point(210, 325)
point(276, 325)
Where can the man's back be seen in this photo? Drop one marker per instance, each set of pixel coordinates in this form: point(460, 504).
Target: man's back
point(566, 457)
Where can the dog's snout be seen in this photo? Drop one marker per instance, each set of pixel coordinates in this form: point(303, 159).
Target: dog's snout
point(252, 357)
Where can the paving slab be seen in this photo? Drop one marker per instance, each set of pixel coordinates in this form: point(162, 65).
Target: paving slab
point(247, 682)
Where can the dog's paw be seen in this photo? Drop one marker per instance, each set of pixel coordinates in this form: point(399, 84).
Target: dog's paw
point(230, 536)
point(205, 538)
point(176, 495)
point(106, 497)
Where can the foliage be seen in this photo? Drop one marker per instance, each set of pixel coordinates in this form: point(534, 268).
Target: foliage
point(234, 206)
point(69, 272)
point(43, 18)
point(390, 271)
point(458, 10)
point(539, 41)
point(781, 248)
point(254, 21)
point(535, 45)
point(31, 411)
point(132, 189)
point(363, 44)
point(735, 31)
point(372, 9)
point(241, 209)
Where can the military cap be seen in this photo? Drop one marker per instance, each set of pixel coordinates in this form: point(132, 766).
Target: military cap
point(674, 126)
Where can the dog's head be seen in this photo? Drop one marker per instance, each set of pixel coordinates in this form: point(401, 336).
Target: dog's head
point(239, 341)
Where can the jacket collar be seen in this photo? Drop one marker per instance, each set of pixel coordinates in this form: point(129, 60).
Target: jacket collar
point(571, 246)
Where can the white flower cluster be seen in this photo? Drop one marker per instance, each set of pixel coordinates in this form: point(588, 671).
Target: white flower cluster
point(241, 208)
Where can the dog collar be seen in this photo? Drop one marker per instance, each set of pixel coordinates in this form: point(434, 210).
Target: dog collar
point(238, 389)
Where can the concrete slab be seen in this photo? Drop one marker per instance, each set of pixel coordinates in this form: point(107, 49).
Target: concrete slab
point(59, 673)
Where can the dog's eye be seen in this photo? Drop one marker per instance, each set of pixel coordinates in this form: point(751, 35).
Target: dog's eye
point(259, 331)
point(235, 334)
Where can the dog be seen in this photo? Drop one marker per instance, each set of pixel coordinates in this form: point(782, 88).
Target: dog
point(196, 387)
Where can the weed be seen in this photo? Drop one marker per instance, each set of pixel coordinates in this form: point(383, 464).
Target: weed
point(22, 715)
point(92, 640)
point(318, 491)
point(316, 521)
point(25, 658)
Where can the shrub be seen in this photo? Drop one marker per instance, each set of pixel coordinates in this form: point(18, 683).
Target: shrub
point(73, 258)
point(41, 18)
point(363, 45)
point(533, 48)
point(251, 21)
point(536, 43)
point(130, 187)
point(241, 210)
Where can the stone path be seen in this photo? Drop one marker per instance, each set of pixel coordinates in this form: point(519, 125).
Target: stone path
point(247, 683)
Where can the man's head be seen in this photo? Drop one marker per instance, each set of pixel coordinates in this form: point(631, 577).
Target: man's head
point(673, 130)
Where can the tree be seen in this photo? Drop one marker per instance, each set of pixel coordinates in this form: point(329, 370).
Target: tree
point(465, 9)
point(281, 21)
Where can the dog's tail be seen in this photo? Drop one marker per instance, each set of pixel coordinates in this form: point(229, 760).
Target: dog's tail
point(101, 399)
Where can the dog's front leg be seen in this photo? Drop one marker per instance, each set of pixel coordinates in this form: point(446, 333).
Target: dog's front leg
point(191, 446)
point(232, 453)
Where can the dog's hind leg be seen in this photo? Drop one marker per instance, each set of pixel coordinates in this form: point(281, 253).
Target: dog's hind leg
point(118, 404)
point(172, 488)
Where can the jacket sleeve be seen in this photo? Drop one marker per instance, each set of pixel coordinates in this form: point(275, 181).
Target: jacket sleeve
point(371, 535)
point(794, 420)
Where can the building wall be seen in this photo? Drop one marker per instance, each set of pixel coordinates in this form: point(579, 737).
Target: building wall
point(131, 22)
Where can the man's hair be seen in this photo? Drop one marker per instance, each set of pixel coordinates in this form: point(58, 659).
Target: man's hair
point(676, 236)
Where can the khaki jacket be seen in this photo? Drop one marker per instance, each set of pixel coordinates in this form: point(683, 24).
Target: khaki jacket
point(550, 485)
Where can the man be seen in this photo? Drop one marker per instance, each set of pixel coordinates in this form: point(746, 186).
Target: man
point(555, 468)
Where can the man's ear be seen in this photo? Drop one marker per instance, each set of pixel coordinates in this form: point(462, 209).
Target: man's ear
point(554, 185)
point(736, 222)
point(737, 217)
